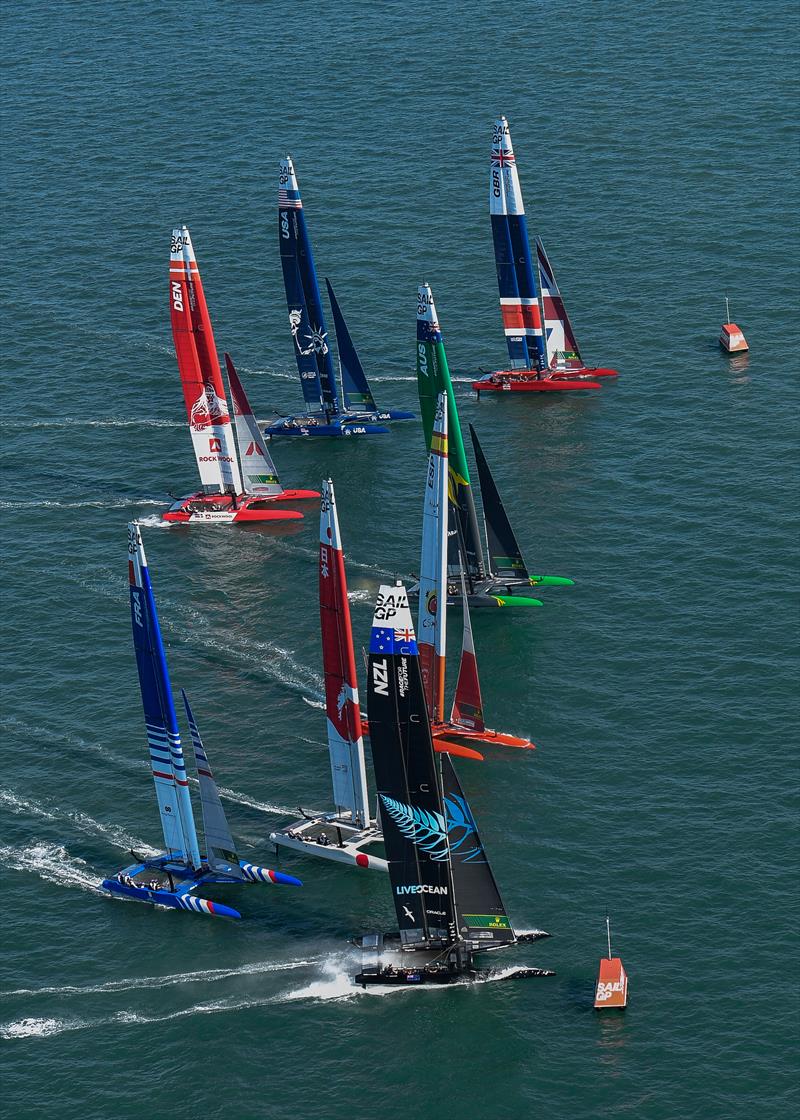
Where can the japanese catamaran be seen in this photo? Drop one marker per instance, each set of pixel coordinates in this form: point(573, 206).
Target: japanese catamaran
point(446, 899)
point(226, 496)
point(537, 363)
point(325, 416)
point(172, 878)
point(466, 724)
point(501, 578)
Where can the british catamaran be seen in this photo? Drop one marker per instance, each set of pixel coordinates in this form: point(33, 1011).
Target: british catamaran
point(538, 363)
point(225, 496)
point(172, 878)
point(325, 416)
point(466, 724)
point(446, 899)
point(500, 578)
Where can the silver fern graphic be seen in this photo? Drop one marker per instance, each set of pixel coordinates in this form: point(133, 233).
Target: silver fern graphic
point(428, 830)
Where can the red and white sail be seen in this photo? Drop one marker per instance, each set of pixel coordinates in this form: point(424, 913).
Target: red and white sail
point(259, 475)
point(467, 701)
point(203, 391)
point(562, 346)
point(432, 627)
point(345, 741)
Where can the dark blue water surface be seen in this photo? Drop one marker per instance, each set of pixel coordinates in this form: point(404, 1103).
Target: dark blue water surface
point(657, 150)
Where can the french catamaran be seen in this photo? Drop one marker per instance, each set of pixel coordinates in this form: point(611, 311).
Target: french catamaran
point(466, 724)
point(446, 899)
point(542, 360)
point(500, 578)
point(236, 487)
point(173, 877)
point(324, 416)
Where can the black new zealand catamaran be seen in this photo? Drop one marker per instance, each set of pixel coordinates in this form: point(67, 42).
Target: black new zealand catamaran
point(445, 895)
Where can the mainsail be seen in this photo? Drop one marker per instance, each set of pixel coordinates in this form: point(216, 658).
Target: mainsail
point(433, 378)
point(480, 914)
point(505, 556)
point(355, 387)
point(433, 569)
point(345, 741)
point(221, 852)
point(467, 707)
point(203, 391)
point(166, 755)
point(259, 475)
point(303, 299)
point(562, 346)
point(406, 776)
point(519, 300)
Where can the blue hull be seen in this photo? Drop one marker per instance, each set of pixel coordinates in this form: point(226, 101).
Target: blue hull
point(309, 425)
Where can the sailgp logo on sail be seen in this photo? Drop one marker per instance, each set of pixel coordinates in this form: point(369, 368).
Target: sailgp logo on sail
point(420, 888)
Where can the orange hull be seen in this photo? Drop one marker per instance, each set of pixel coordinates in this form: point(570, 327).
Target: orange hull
point(456, 733)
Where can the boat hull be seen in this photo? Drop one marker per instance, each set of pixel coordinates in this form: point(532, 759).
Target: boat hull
point(507, 381)
point(339, 427)
point(454, 733)
point(343, 842)
point(222, 509)
point(588, 372)
point(384, 962)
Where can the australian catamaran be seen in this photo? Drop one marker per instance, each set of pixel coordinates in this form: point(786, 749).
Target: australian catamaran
point(542, 360)
point(226, 496)
point(172, 878)
point(325, 416)
point(446, 898)
point(501, 578)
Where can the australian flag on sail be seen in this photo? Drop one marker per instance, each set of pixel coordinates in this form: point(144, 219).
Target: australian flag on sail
point(385, 639)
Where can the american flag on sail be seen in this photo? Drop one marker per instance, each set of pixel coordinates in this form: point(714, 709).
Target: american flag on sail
point(289, 199)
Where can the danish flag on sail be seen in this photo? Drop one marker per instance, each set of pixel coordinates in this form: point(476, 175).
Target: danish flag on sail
point(258, 470)
point(203, 391)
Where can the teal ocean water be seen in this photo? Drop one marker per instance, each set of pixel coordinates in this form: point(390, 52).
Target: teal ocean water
point(657, 151)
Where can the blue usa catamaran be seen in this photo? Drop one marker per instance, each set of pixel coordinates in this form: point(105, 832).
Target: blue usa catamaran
point(173, 877)
point(358, 414)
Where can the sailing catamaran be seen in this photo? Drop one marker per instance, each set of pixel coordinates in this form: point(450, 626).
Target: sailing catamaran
point(345, 834)
point(325, 416)
point(446, 898)
point(224, 497)
point(170, 879)
point(535, 365)
point(502, 578)
point(466, 724)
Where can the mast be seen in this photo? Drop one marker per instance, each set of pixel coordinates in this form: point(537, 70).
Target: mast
point(558, 328)
point(355, 387)
point(258, 470)
point(345, 741)
point(505, 555)
point(303, 298)
point(433, 378)
point(407, 778)
point(203, 391)
point(432, 625)
point(166, 755)
point(519, 300)
point(221, 852)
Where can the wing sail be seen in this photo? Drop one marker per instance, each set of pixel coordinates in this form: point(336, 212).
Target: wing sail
point(467, 700)
point(433, 569)
point(504, 551)
point(355, 387)
point(201, 379)
point(166, 754)
point(345, 742)
point(259, 475)
point(562, 345)
point(221, 852)
point(406, 776)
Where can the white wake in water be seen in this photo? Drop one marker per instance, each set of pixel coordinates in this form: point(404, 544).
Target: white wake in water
point(52, 863)
point(87, 503)
point(24, 806)
point(110, 422)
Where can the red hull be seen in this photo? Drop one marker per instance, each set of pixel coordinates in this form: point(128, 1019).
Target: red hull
point(510, 382)
point(221, 509)
point(587, 371)
point(487, 738)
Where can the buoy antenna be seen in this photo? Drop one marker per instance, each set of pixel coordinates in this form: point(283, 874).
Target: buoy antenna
point(608, 935)
point(727, 311)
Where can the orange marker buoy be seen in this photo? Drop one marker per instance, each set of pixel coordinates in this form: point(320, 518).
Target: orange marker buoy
point(612, 979)
point(731, 339)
